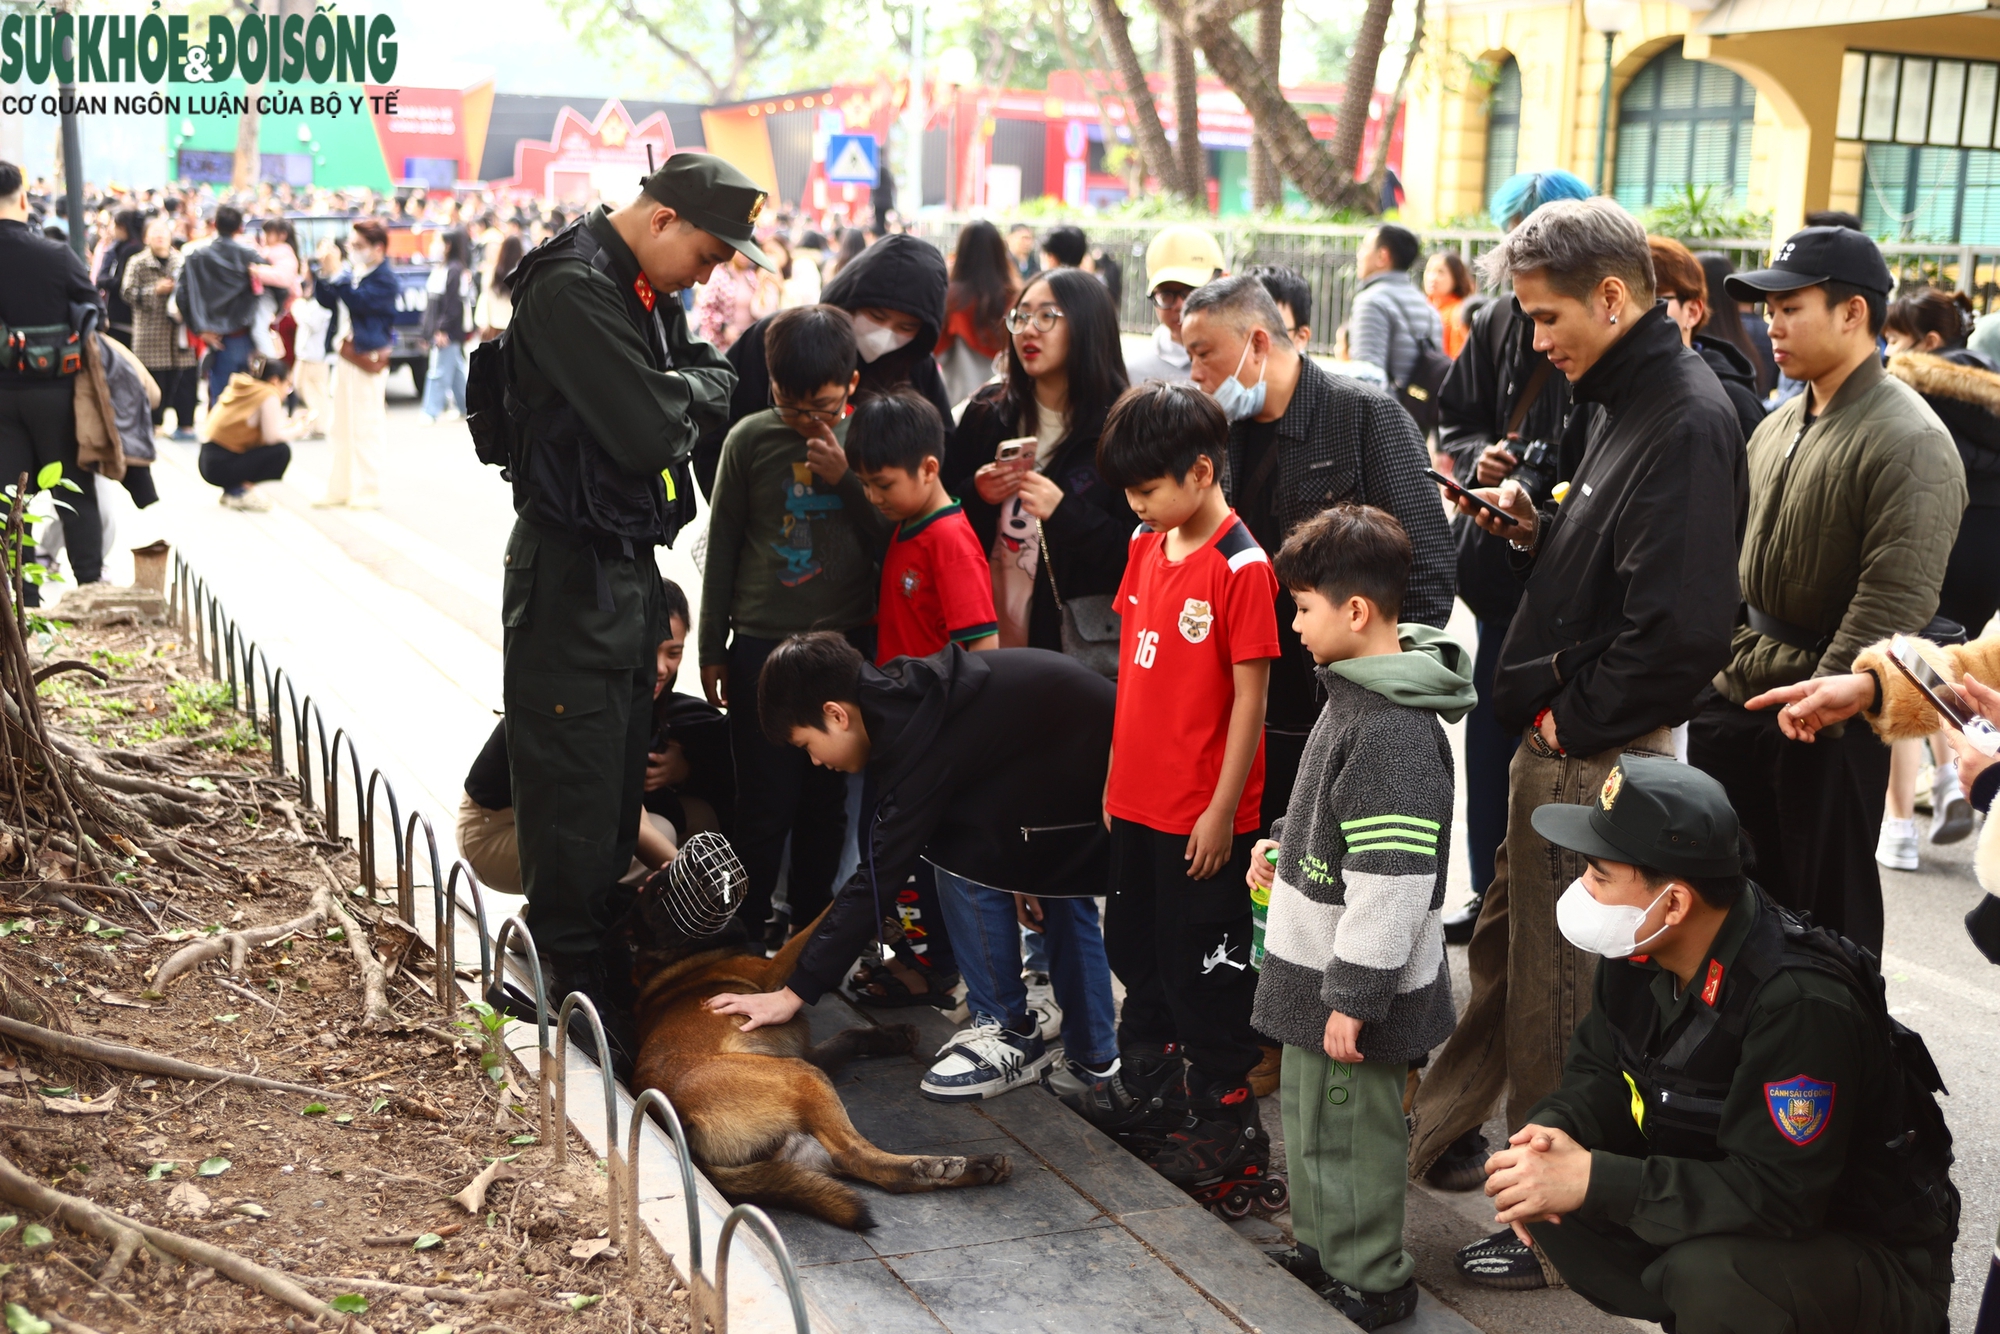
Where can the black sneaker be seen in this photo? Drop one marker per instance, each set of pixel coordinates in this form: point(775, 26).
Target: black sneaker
point(587, 973)
point(1370, 1310)
point(1501, 1261)
point(1459, 922)
point(1462, 1166)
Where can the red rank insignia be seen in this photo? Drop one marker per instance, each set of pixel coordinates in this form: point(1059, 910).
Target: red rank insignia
point(1713, 986)
point(645, 291)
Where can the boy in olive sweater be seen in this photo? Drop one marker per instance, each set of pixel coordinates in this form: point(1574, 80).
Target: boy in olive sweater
point(1354, 982)
point(792, 547)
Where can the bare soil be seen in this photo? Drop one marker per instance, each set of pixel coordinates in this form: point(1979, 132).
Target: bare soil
point(298, 1183)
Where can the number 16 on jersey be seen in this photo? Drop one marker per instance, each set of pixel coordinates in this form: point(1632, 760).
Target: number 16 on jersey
point(1148, 648)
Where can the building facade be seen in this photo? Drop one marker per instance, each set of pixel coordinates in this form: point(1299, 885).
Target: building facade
point(1882, 108)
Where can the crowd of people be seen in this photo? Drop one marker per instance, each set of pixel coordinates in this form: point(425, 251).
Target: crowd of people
point(998, 621)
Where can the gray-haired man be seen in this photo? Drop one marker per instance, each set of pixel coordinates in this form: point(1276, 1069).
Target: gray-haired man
point(1629, 600)
point(1300, 440)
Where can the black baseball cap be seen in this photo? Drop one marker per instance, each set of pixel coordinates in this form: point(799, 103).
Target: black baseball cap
point(1651, 811)
point(714, 196)
point(1813, 256)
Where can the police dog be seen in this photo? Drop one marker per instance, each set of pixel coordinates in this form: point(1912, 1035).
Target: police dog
point(761, 1115)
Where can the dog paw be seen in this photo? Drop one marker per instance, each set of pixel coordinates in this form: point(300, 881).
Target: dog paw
point(898, 1039)
point(986, 1169)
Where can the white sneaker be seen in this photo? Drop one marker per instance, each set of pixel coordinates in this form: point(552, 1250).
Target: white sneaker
point(249, 501)
point(1951, 813)
point(1042, 1007)
point(1897, 848)
point(984, 1061)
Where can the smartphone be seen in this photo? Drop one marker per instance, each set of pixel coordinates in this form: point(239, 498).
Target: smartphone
point(1459, 492)
point(1010, 450)
point(1951, 704)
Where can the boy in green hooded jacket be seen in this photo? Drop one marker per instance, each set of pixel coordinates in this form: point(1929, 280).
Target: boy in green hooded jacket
point(1354, 982)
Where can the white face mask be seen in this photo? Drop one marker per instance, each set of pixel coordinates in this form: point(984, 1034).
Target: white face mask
point(874, 340)
point(1609, 929)
point(1235, 399)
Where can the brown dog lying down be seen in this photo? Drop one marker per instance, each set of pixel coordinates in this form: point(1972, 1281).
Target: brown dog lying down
point(761, 1115)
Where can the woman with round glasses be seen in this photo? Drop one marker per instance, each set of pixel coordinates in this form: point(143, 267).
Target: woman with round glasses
point(1065, 368)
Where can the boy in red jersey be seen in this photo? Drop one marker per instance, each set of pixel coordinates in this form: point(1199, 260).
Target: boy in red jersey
point(1183, 804)
point(937, 587)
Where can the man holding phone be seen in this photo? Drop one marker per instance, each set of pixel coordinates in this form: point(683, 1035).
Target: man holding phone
point(1625, 613)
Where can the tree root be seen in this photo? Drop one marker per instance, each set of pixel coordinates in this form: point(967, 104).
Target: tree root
point(94, 1220)
point(236, 944)
point(503, 1298)
point(144, 1062)
point(376, 1016)
point(64, 1325)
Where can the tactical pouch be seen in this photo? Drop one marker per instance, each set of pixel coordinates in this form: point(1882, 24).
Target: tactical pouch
point(44, 351)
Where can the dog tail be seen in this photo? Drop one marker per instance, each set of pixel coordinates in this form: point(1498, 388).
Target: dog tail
point(778, 970)
point(790, 1185)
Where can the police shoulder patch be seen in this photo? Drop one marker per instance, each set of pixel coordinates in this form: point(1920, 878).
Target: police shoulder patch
point(1800, 1107)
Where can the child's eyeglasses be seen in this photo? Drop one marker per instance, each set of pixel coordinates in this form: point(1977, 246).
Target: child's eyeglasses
point(826, 416)
point(1018, 321)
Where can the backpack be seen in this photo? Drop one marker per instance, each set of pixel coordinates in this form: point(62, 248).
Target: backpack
point(492, 414)
point(1419, 393)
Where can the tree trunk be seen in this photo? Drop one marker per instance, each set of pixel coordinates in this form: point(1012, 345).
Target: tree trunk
point(243, 172)
point(1150, 135)
point(1267, 183)
point(1378, 169)
point(1302, 158)
point(1356, 98)
point(1059, 15)
point(1182, 83)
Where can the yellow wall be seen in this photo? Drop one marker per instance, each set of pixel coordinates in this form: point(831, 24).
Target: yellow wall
point(1796, 164)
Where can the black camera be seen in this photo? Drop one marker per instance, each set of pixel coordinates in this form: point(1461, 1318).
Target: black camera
point(1536, 472)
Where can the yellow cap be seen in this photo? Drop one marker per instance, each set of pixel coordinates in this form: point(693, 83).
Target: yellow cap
point(1185, 255)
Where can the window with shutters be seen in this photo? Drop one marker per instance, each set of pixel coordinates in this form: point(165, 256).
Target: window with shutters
point(1930, 172)
point(1683, 122)
point(1503, 126)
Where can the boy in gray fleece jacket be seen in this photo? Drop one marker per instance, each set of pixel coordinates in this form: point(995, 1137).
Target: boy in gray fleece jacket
point(1354, 981)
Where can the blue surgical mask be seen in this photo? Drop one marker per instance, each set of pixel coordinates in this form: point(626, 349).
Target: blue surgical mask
point(1236, 400)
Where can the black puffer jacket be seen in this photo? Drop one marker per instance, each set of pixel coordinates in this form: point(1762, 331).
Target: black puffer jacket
point(1965, 394)
point(1631, 590)
point(1088, 535)
point(898, 272)
point(1739, 379)
point(964, 787)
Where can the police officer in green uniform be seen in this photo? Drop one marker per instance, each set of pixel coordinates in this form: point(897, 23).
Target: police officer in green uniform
point(607, 391)
point(1729, 1148)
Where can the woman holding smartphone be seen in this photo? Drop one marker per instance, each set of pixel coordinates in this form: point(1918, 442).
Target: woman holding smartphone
point(1065, 368)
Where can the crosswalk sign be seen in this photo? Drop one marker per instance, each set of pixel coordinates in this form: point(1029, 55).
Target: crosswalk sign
point(851, 159)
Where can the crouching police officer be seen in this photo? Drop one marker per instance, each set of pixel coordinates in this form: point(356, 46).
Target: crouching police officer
point(606, 392)
point(1743, 1139)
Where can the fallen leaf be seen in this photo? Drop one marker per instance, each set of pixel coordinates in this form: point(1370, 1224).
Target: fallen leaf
point(119, 998)
point(590, 1250)
point(72, 1107)
point(425, 1242)
point(61, 1091)
point(584, 1303)
point(212, 1167)
point(35, 1236)
point(158, 1170)
point(473, 1198)
point(20, 1320)
point(313, 1109)
point(350, 1303)
point(441, 1329)
point(7, 1223)
point(188, 1198)
point(249, 1210)
point(522, 1139)
point(344, 1117)
point(227, 1018)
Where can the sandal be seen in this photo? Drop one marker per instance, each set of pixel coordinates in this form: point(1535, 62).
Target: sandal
point(875, 986)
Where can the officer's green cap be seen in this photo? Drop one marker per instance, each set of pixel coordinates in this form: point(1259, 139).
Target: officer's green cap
point(1653, 812)
point(714, 196)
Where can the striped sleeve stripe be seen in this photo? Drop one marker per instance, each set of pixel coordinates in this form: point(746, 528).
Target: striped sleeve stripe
point(1391, 833)
point(1391, 819)
point(1392, 847)
point(972, 632)
point(1248, 556)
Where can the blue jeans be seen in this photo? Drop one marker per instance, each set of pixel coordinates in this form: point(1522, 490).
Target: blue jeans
point(225, 361)
point(447, 375)
point(986, 937)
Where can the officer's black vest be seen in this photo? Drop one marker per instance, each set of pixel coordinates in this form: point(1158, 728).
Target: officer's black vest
point(1896, 1185)
point(563, 478)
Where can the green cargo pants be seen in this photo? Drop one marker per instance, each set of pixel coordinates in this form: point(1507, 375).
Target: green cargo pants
point(1345, 1141)
point(1830, 1283)
point(578, 686)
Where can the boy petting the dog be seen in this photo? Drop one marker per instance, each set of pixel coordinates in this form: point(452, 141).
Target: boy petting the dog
point(1182, 802)
point(1354, 982)
point(937, 585)
point(791, 543)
